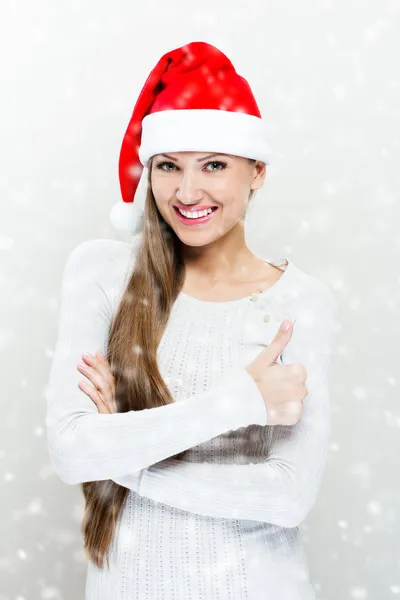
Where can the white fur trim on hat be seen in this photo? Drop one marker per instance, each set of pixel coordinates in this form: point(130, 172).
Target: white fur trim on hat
point(204, 130)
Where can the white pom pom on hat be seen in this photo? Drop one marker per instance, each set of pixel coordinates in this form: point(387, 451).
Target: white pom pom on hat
point(127, 216)
point(193, 100)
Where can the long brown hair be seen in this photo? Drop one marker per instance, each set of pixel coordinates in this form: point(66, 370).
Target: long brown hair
point(134, 335)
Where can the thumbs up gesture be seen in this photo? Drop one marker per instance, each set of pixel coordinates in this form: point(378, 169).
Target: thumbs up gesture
point(282, 386)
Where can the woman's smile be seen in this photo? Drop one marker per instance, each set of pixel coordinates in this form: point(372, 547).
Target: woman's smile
point(198, 218)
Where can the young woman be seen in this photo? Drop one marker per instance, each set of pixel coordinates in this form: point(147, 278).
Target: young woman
point(195, 423)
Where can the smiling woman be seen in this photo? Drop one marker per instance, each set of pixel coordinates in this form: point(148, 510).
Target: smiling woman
point(193, 486)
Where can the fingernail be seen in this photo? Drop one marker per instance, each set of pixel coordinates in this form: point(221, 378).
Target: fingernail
point(285, 325)
point(87, 354)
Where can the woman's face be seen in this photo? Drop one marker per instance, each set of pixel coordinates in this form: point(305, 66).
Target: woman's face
point(197, 180)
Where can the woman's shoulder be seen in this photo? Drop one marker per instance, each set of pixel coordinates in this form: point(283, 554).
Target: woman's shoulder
point(100, 248)
point(106, 261)
point(99, 268)
point(100, 251)
point(310, 288)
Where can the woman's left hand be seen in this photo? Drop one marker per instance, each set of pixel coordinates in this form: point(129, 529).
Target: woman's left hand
point(101, 388)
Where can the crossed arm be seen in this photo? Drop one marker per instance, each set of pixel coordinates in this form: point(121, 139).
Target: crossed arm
point(135, 448)
point(282, 489)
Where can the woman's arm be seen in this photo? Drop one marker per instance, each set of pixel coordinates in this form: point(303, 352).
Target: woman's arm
point(282, 489)
point(87, 446)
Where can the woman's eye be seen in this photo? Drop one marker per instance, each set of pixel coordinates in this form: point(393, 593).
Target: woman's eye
point(217, 162)
point(160, 165)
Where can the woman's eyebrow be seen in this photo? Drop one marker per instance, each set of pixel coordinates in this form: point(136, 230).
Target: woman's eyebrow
point(199, 159)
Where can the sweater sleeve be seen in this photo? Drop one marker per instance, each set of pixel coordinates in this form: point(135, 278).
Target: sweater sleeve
point(282, 489)
point(85, 445)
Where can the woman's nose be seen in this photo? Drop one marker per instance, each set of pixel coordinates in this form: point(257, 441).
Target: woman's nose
point(189, 189)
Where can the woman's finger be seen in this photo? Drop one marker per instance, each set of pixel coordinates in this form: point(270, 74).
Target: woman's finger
point(102, 384)
point(102, 365)
point(100, 375)
point(94, 395)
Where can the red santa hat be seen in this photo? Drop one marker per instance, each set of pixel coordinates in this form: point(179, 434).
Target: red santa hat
point(193, 100)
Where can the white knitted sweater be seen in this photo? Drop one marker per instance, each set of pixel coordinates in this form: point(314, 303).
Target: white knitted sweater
point(220, 523)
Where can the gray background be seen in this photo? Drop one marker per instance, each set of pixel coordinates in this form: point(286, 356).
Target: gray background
point(327, 82)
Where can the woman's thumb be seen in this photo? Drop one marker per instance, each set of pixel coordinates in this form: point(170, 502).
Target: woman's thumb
point(280, 341)
point(285, 325)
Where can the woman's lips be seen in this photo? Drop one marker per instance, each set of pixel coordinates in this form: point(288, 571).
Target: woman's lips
point(193, 222)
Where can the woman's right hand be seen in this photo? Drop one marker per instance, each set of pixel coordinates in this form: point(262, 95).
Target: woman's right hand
point(282, 386)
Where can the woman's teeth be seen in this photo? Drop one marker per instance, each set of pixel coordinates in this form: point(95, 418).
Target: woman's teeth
point(195, 218)
point(195, 214)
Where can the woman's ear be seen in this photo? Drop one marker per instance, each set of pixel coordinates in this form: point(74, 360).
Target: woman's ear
point(260, 169)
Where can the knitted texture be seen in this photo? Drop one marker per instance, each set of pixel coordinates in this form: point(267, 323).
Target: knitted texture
point(222, 522)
